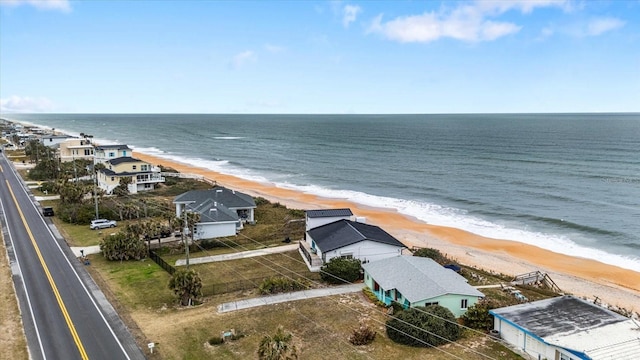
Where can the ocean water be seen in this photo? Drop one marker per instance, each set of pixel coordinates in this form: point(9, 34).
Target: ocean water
point(565, 182)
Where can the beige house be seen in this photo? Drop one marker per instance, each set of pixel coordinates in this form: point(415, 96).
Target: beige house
point(143, 176)
point(72, 149)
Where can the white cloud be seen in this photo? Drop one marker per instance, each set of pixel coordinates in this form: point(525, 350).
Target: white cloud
point(60, 5)
point(349, 14)
point(25, 104)
point(602, 25)
point(467, 21)
point(273, 48)
point(242, 58)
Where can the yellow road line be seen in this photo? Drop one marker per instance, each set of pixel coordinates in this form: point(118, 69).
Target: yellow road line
point(63, 308)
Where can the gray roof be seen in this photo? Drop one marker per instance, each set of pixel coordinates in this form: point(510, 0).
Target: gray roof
point(124, 159)
point(344, 232)
point(113, 147)
point(418, 278)
point(216, 204)
point(328, 213)
point(560, 315)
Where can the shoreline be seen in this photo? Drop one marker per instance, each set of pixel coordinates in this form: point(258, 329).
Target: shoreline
point(580, 276)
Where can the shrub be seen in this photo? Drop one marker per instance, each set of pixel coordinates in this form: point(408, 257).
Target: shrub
point(49, 187)
point(371, 296)
point(340, 270)
point(434, 254)
point(363, 335)
point(121, 246)
point(478, 317)
point(419, 327)
point(186, 285)
point(280, 284)
point(216, 340)
point(260, 201)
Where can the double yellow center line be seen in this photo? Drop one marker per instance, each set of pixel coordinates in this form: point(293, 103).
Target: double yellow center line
point(63, 308)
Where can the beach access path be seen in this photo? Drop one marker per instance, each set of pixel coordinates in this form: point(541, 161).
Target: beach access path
point(238, 255)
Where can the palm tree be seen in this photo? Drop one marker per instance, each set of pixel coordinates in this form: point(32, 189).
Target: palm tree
point(277, 347)
point(187, 285)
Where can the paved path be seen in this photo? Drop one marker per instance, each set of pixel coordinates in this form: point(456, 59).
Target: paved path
point(292, 296)
point(88, 250)
point(238, 255)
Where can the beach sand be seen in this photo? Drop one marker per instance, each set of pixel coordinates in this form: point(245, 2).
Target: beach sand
point(582, 277)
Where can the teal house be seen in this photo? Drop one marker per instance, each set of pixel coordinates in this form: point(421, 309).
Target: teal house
point(417, 281)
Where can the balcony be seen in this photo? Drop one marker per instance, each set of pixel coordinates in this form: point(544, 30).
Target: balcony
point(149, 178)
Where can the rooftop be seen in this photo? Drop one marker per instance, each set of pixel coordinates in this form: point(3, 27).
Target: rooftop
point(329, 213)
point(418, 278)
point(344, 232)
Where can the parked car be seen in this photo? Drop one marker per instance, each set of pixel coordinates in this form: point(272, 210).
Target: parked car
point(47, 211)
point(102, 224)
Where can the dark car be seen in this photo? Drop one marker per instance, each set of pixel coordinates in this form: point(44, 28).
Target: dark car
point(47, 211)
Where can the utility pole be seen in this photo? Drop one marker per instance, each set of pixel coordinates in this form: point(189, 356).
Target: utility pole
point(186, 239)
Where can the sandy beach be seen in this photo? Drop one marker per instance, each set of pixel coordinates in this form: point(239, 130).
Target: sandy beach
point(583, 277)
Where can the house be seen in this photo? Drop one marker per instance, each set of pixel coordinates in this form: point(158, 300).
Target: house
point(315, 218)
point(350, 239)
point(418, 281)
point(222, 211)
point(143, 176)
point(104, 153)
point(54, 140)
point(568, 328)
point(72, 149)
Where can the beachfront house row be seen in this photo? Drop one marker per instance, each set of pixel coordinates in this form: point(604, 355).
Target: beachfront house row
point(418, 281)
point(142, 175)
point(222, 211)
point(348, 239)
point(568, 328)
point(73, 149)
point(104, 153)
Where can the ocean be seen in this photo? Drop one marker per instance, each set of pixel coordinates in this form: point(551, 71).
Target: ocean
point(569, 183)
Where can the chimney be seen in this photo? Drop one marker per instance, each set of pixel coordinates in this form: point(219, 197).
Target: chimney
point(361, 219)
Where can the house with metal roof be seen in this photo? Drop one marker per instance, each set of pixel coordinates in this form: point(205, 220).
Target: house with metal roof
point(53, 140)
point(350, 239)
point(418, 281)
point(568, 328)
point(142, 175)
point(315, 218)
point(222, 211)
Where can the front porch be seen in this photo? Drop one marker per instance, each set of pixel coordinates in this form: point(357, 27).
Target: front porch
point(313, 261)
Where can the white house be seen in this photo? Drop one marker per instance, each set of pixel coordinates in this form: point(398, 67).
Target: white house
point(54, 140)
point(350, 239)
point(568, 328)
point(418, 281)
point(222, 211)
point(315, 218)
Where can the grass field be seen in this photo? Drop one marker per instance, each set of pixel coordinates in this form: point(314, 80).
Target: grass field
point(12, 340)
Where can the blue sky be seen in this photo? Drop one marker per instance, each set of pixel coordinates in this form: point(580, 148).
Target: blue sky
point(319, 57)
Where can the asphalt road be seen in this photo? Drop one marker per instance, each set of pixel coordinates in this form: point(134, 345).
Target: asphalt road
point(64, 313)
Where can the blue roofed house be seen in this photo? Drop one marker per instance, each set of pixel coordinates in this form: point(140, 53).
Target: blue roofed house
point(349, 239)
point(222, 211)
point(418, 281)
point(568, 328)
point(315, 218)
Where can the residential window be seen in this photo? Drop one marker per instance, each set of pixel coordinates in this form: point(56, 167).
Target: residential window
point(147, 186)
point(112, 178)
point(464, 303)
point(565, 357)
point(430, 303)
point(133, 167)
point(346, 256)
point(87, 152)
point(112, 154)
point(143, 167)
point(124, 153)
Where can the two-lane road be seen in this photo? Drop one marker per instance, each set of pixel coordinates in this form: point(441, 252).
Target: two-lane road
point(64, 313)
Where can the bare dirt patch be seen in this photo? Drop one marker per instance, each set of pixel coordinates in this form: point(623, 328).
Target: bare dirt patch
point(12, 340)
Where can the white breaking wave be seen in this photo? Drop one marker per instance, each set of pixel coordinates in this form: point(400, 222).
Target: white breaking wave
point(228, 137)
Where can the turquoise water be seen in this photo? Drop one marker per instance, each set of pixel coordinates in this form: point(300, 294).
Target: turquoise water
point(566, 182)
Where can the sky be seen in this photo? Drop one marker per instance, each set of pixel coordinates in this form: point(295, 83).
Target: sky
point(317, 57)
